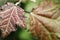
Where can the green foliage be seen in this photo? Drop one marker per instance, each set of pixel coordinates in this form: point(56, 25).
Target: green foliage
point(27, 20)
point(38, 1)
point(56, 1)
point(12, 1)
point(24, 35)
point(2, 2)
point(29, 5)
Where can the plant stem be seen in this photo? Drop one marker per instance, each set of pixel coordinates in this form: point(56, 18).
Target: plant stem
point(18, 2)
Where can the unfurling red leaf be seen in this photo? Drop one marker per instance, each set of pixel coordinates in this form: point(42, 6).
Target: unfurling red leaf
point(10, 17)
point(43, 21)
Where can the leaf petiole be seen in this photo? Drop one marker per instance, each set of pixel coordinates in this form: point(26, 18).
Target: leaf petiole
point(18, 2)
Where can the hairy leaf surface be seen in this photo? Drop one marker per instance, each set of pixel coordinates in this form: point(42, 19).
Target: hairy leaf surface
point(11, 17)
point(43, 21)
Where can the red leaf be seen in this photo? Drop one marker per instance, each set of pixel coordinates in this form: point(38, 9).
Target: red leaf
point(10, 17)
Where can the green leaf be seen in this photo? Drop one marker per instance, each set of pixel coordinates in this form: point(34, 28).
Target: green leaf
point(25, 35)
point(29, 6)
